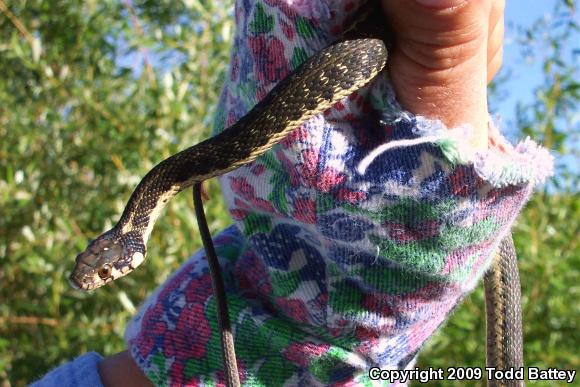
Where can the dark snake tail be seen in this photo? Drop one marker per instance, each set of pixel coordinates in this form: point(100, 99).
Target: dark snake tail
point(217, 283)
point(504, 314)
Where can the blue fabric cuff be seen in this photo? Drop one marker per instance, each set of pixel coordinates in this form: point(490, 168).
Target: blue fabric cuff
point(82, 371)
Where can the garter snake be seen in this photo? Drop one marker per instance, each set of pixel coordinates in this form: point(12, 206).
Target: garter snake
point(328, 76)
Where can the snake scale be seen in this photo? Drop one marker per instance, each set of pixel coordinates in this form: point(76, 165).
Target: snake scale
point(328, 76)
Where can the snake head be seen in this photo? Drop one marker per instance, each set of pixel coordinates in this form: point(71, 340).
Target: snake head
point(103, 261)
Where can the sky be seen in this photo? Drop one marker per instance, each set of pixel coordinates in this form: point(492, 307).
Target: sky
point(524, 76)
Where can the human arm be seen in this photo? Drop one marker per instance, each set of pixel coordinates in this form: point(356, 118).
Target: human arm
point(120, 370)
point(468, 96)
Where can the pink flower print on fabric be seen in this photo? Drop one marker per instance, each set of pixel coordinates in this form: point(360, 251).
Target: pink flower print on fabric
point(247, 192)
point(331, 269)
point(271, 63)
point(183, 342)
point(303, 353)
point(304, 210)
point(323, 179)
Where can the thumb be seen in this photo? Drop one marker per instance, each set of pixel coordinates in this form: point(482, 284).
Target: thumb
point(439, 63)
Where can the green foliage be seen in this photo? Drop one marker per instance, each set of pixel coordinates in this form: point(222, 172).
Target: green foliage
point(80, 125)
point(79, 128)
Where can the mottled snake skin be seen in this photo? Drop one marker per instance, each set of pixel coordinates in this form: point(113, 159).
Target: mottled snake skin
point(320, 82)
point(504, 315)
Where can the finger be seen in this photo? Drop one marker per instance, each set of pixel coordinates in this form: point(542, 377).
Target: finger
point(440, 60)
point(494, 64)
point(440, 38)
point(495, 38)
point(496, 14)
point(495, 47)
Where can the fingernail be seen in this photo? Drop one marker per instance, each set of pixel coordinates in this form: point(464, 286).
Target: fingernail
point(441, 3)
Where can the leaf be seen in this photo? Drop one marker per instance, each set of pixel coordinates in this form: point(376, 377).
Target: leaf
point(36, 46)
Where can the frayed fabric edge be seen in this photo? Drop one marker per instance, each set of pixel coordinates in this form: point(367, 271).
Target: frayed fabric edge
point(500, 165)
point(527, 162)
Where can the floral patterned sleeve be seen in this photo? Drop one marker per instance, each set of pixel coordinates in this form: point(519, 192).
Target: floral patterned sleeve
point(354, 237)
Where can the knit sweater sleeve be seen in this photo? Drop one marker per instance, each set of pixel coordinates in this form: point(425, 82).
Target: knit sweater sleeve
point(354, 237)
point(82, 371)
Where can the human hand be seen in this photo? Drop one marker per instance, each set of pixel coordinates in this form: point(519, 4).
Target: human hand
point(445, 52)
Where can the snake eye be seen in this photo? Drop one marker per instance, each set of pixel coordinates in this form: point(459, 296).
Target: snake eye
point(104, 271)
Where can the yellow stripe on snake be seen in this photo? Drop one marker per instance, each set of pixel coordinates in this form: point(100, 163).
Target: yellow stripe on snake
point(326, 78)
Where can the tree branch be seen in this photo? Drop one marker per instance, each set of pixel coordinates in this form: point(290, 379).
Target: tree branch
point(17, 23)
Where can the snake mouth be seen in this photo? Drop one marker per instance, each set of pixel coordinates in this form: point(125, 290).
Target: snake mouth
point(83, 278)
point(88, 275)
point(85, 286)
point(73, 282)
